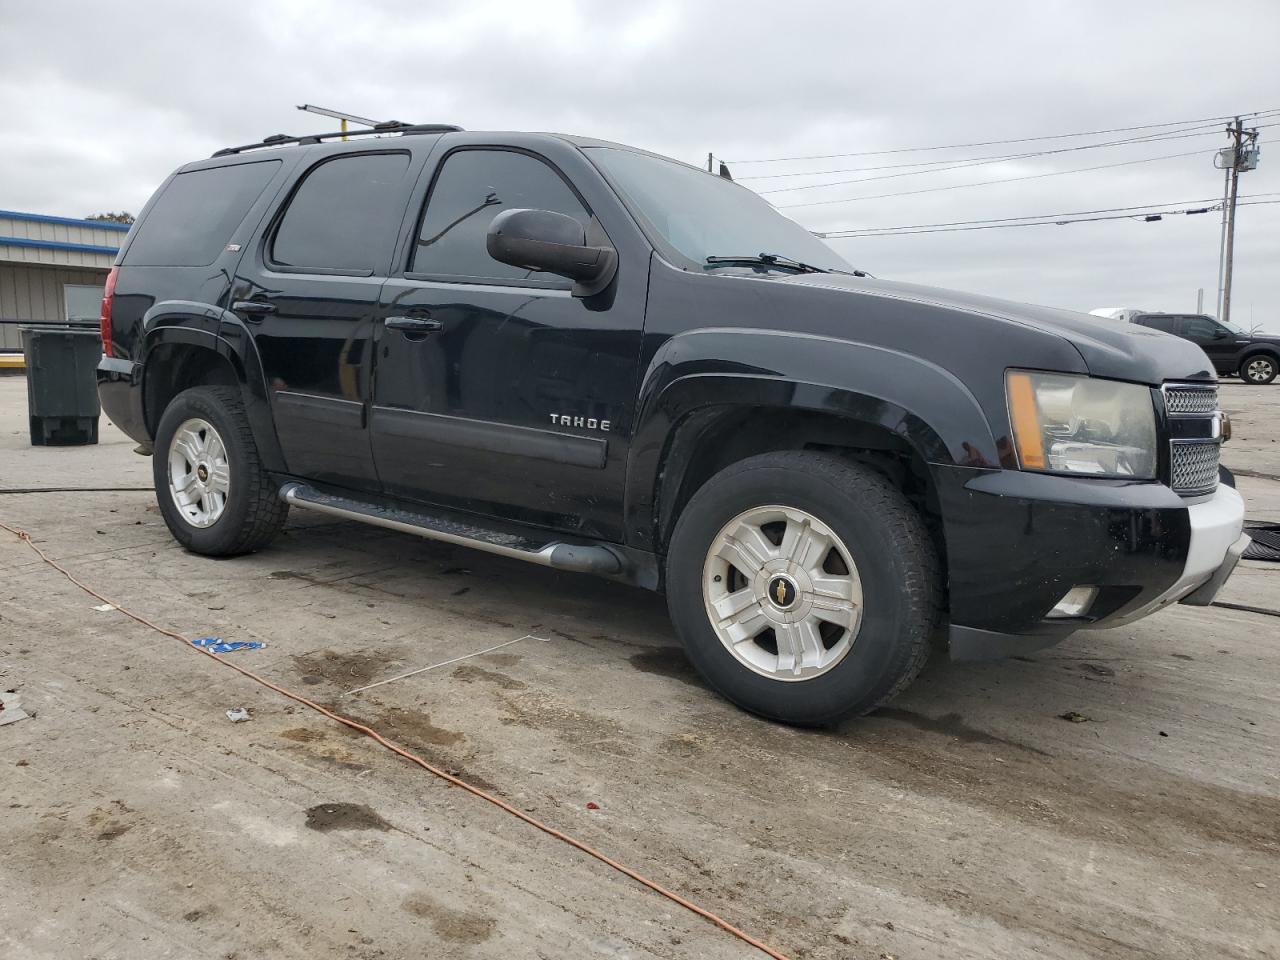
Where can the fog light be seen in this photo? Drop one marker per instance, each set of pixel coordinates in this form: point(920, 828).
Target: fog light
point(1074, 603)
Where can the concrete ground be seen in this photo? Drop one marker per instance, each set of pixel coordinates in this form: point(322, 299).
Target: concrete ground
point(965, 821)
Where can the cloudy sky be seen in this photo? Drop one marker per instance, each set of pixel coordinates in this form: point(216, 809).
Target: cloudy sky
point(101, 103)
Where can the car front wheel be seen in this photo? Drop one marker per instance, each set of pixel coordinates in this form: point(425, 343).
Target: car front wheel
point(804, 587)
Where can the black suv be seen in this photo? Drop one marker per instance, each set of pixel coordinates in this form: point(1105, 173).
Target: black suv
point(598, 359)
point(1231, 350)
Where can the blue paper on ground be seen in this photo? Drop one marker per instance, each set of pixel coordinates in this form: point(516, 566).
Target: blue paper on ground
point(218, 645)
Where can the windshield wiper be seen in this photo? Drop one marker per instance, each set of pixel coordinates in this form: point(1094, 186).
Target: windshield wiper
point(770, 260)
point(774, 260)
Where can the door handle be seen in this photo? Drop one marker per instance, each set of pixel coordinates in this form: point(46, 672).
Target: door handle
point(418, 325)
point(253, 308)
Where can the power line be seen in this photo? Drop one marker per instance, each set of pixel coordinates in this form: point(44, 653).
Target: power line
point(1038, 223)
point(993, 143)
point(1036, 216)
point(987, 183)
point(1029, 216)
point(1151, 138)
point(983, 161)
point(1152, 214)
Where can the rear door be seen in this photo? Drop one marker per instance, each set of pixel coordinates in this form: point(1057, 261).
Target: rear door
point(309, 292)
point(496, 390)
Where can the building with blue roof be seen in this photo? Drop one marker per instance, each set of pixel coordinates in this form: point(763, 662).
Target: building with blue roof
point(52, 269)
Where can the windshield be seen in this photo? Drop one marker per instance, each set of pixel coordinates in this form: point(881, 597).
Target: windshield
point(1234, 327)
point(700, 215)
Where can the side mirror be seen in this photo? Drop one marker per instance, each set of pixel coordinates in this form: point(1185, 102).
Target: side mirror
point(544, 240)
point(1220, 334)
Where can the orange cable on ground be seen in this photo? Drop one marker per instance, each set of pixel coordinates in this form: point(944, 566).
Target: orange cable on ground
point(413, 758)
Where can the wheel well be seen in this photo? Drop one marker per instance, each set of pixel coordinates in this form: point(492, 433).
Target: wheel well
point(707, 442)
point(1269, 352)
point(174, 367)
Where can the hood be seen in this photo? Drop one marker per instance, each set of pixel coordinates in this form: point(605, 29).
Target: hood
point(1110, 348)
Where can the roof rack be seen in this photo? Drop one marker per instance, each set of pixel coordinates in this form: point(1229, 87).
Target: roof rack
point(390, 126)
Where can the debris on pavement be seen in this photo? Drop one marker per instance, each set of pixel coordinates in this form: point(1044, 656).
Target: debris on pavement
point(1264, 540)
point(592, 805)
point(1097, 669)
point(218, 645)
point(1072, 717)
point(239, 715)
point(104, 607)
point(11, 710)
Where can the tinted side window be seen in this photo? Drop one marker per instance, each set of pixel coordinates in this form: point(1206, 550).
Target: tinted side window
point(344, 215)
point(1198, 328)
point(472, 188)
point(191, 222)
point(1159, 323)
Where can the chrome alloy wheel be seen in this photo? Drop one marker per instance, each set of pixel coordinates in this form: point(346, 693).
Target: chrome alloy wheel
point(199, 474)
point(1259, 370)
point(782, 592)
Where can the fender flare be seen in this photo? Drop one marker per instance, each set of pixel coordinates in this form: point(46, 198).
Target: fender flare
point(1254, 349)
point(698, 372)
point(213, 328)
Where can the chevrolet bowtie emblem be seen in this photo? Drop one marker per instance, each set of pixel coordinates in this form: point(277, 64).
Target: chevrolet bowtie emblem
point(782, 591)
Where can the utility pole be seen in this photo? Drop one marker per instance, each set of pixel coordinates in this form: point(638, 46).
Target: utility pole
point(1240, 157)
point(1222, 237)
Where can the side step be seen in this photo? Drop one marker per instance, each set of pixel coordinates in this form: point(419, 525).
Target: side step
point(580, 558)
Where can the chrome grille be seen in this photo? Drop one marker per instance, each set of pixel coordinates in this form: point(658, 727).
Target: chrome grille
point(1194, 466)
point(1195, 436)
point(1192, 400)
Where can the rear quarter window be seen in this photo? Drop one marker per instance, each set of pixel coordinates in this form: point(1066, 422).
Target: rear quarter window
point(192, 220)
point(344, 215)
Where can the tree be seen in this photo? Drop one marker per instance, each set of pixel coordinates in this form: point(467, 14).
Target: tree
point(122, 217)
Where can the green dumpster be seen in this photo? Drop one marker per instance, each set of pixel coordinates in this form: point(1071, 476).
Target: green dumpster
point(62, 388)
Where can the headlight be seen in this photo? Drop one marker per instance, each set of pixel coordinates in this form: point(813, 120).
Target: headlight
point(1071, 424)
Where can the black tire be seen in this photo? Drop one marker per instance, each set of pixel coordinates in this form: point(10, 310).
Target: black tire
point(1258, 369)
point(253, 514)
point(895, 559)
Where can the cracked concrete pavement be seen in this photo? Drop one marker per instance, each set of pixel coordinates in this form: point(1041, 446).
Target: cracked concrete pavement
point(967, 820)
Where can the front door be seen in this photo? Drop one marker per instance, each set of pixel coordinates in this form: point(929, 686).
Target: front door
point(1218, 343)
point(309, 295)
point(496, 391)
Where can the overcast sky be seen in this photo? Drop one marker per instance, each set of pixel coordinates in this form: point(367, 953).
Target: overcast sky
point(100, 103)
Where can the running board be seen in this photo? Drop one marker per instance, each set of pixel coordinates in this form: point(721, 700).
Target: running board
point(579, 558)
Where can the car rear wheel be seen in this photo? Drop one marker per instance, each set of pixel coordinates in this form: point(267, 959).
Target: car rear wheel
point(212, 491)
point(1259, 369)
point(803, 587)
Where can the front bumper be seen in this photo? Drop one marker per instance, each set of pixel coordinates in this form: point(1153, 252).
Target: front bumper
point(1217, 542)
point(1017, 542)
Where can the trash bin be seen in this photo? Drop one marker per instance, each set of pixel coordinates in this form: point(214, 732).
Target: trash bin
point(62, 383)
